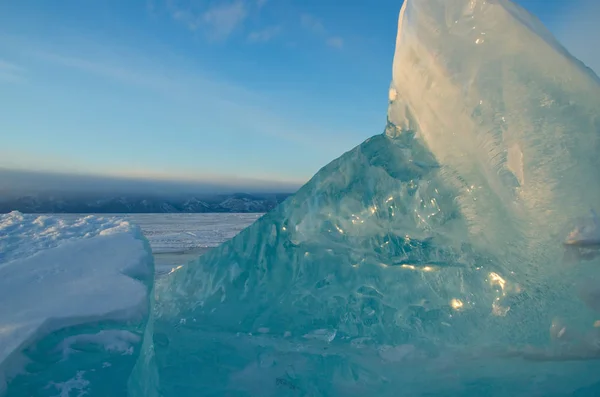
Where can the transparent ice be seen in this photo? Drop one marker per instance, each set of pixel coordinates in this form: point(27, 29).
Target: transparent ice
point(454, 254)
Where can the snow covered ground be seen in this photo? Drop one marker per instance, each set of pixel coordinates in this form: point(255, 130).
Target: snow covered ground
point(178, 238)
point(60, 272)
point(57, 273)
point(169, 233)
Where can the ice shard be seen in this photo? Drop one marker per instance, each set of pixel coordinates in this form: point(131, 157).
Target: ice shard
point(76, 296)
point(429, 260)
point(509, 114)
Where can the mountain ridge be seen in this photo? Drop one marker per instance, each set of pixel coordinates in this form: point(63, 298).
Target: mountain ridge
point(137, 204)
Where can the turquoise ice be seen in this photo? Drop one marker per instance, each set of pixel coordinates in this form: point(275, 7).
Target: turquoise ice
point(429, 260)
point(455, 253)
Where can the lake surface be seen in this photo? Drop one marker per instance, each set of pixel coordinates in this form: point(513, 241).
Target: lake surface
point(178, 238)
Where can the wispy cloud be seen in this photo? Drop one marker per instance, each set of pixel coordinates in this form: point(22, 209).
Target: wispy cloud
point(336, 42)
point(11, 73)
point(312, 24)
point(264, 35)
point(189, 87)
point(315, 26)
point(219, 21)
point(225, 18)
point(108, 69)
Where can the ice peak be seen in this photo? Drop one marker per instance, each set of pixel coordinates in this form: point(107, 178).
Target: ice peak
point(500, 102)
point(460, 42)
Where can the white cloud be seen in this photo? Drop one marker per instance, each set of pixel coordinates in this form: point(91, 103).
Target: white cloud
point(219, 20)
point(264, 35)
point(336, 42)
point(315, 26)
point(222, 20)
point(312, 24)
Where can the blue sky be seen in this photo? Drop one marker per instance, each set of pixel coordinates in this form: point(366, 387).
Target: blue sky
point(208, 90)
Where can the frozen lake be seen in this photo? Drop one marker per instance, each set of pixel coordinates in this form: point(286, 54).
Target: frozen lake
point(178, 238)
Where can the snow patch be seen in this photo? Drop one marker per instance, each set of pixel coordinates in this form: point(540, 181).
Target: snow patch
point(57, 273)
point(24, 235)
point(112, 340)
point(77, 384)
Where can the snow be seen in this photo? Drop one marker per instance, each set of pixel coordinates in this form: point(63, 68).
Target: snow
point(78, 385)
point(177, 239)
point(24, 235)
point(172, 233)
point(57, 273)
point(179, 233)
point(111, 340)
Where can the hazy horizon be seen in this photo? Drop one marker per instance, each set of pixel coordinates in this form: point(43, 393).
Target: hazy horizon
point(15, 183)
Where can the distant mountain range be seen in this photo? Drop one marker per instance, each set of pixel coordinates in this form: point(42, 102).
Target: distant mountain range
point(238, 202)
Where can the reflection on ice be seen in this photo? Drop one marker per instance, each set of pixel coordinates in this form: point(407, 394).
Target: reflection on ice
point(583, 241)
point(586, 234)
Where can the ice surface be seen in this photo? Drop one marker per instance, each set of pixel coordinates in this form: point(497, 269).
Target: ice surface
point(429, 259)
point(174, 233)
point(176, 239)
point(74, 302)
point(509, 115)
